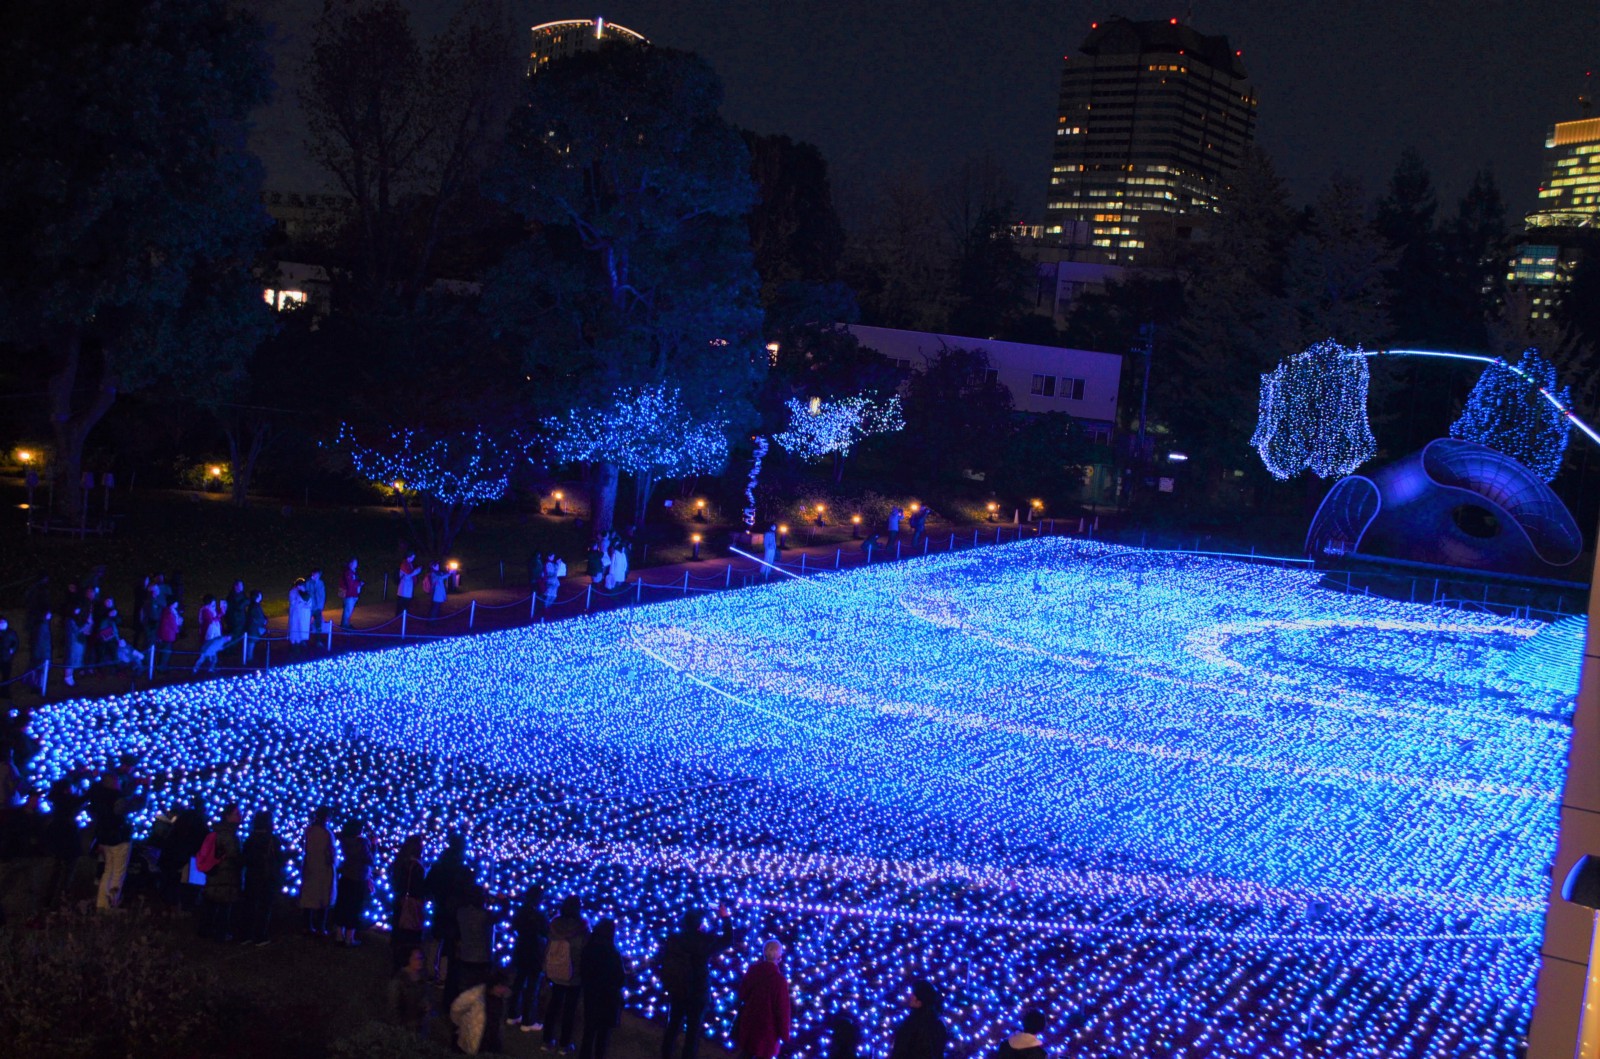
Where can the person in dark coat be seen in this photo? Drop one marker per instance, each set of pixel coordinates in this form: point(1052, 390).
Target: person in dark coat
point(408, 883)
point(922, 1033)
point(265, 858)
point(446, 883)
point(224, 886)
point(1025, 1045)
point(532, 929)
point(355, 884)
point(475, 949)
point(686, 974)
point(563, 965)
point(602, 977)
point(62, 836)
point(178, 847)
point(764, 1009)
point(238, 612)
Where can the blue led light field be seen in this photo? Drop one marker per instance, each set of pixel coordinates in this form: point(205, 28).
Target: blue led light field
point(1190, 806)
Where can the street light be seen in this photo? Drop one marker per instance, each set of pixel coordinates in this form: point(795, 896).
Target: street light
point(855, 527)
point(694, 539)
point(700, 510)
point(820, 510)
point(25, 455)
point(216, 472)
point(993, 507)
point(783, 534)
point(558, 496)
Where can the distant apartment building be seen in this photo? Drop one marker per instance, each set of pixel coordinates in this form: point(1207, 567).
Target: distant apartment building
point(557, 40)
point(1153, 116)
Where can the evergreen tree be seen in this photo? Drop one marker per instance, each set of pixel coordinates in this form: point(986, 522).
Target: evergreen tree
point(1337, 268)
point(129, 208)
point(1507, 413)
point(640, 274)
point(1420, 308)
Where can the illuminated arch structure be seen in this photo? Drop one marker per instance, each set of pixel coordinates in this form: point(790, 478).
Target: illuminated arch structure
point(557, 40)
point(1454, 503)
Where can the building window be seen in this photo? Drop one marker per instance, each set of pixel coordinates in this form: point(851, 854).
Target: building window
point(902, 365)
point(1043, 386)
point(284, 299)
point(1071, 389)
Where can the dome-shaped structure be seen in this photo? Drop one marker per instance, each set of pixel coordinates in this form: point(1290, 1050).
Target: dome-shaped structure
point(557, 40)
point(1455, 503)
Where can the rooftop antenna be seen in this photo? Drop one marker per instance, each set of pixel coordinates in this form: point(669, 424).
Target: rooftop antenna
point(1586, 95)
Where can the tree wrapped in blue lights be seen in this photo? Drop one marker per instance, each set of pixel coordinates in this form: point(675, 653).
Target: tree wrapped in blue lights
point(449, 473)
point(1313, 413)
point(645, 431)
point(823, 428)
point(1508, 412)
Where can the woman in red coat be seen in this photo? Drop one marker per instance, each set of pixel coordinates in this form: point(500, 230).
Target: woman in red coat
point(763, 1023)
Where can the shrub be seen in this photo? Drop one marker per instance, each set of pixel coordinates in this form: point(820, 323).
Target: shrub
point(382, 1040)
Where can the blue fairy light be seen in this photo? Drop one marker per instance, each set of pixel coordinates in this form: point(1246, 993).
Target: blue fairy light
point(1313, 413)
point(821, 427)
point(1518, 412)
point(1184, 805)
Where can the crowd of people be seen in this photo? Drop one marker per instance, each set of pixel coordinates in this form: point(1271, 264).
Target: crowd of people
point(485, 963)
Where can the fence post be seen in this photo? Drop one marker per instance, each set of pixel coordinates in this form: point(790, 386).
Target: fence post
point(686, 582)
point(925, 542)
point(244, 649)
point(403, 615)
point(802, 564)
point(330, 637)
point(869, 550)
point(266, 662)
point(952, 542)
point(502, 573)
point(897, 543)
point(728, 583)
point(151, 659)
point(638, 591)
point(44, 678)
point(588, 596)
point(975, 537)
point(472, 613)
point(533, 606)
point(386, 586)
point(838, 557)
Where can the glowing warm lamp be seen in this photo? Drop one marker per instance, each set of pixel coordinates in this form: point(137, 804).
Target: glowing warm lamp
point(1037, 503)
point(25, 455)
point(559, 495)
point(452, 566)
point(783, 527)
point(914, 507)
point(856, 519)
point(699, 503)
point(398, 486)
point(216, 472)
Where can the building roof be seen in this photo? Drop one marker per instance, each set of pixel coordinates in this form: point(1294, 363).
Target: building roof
point(1123, 36)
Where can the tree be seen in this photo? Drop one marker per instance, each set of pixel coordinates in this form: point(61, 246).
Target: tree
point(129, 207)
point(1313, 414)
point(646, 432)
point(405, 131)
point(794, 230)
point(1405, 218)
point(820, 428)
point(1507, 412)
point(1337, 269)
point(641, 275)
point(451, 474)
point(991, 279)
point(957, 418)
point(1044, 457)
point(899, 265)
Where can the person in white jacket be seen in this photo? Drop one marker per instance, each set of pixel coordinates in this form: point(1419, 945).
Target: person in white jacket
point(299, 613)
point(476, 1015)
point(617, 572)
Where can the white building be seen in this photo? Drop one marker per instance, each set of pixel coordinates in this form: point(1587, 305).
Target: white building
point(1079, 382)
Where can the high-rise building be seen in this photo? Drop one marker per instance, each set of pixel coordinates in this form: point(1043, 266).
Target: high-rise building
point(1570, 194)
point(1564, 228)
point(1153, 117)
point(557, 40)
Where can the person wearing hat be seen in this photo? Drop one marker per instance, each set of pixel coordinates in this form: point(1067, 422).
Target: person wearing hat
point(921, 1034)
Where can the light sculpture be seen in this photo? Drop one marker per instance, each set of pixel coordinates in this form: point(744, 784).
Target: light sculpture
point(1510, 411)
point(1313, 413)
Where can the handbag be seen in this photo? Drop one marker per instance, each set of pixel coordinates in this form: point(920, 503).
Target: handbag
point(411, 914)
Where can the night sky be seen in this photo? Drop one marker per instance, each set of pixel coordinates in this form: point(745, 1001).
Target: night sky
point(894, 85)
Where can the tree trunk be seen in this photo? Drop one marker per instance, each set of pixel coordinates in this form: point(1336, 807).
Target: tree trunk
point(644, 485)
point(603, 496)
point(838, 467)
point(71, 428)
point(242, 457)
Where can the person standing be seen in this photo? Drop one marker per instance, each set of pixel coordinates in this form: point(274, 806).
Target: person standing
point(355, 884)
point(316, 871)
point(111, 802)
point(594, 559)
point(764, 1009)
point(405, 582)
point(447, 883)
point(178, 847)
point(75, 630)
point(350, 587)
point(563, 962)
point(921, 1034)
point(317, 597)
point(475, 950)
point(62, 836)
point(554, 570)
point(264, 861)
point(769, 551)
point(167, 635)
point(919, 525)
point(686, 974)
point(408, 883)
point(532, 930)
point(224, 868)
point(617, 572)
point(602, 977)
point(212, 639)
point(1026, 1044)
point(895, 515)
point(255, 625)
point(299, 615)
point(438, 586)
point(8, 654)
point(236, 612)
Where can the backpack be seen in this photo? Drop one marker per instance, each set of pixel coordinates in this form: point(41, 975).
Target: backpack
point(558, 961)
point(427, 583)
point(208, 858)
point(561, 568)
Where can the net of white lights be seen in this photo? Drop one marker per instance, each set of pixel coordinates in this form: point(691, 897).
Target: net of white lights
point(1313, 413)
point(467, 468)
point(644, 430)
point(1185, 806)
point(1509, 412)
point(823, 428)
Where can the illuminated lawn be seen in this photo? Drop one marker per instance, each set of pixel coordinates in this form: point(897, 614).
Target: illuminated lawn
point(1184, 803)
